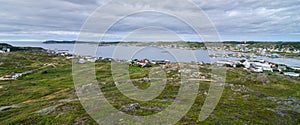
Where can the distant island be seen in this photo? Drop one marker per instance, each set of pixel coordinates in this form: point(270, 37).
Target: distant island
point(74, 41)
point(54, 42)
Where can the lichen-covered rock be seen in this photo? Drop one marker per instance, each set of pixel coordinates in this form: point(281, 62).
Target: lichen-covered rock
point(131, 107)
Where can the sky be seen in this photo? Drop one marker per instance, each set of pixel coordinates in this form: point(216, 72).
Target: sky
point(239, 20)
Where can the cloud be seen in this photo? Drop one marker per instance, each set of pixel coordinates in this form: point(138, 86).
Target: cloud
point(234, 19)
point(264, 17)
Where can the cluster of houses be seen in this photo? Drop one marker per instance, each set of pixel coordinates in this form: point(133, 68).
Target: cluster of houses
point(135, 62)
point(59, 52)
point(260, 66)
point(262, 51)
point(87, 59)
point(145, 62)
point(5, 50)
point(244, 55)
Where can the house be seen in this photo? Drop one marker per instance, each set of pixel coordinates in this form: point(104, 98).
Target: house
point(275, 56)
point(282, 68)
point(153, 62)
point(295, 68)
point(108, 59)
point(264, 66)
point(164, 62)
point(70, 57)
point(256, 69)
point(167, 61)
point(6, 50)
point(291, 74)
point(223, 63)
point(247, 64)
point(81, 61)
point(91, 59)
point(201, 63)
point(143, 62)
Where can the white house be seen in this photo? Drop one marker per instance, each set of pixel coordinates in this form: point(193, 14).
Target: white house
point(81, 61)
point(91, 59)
point(70, 57)
point(257, 69)
point(291, 74)
point(247, 64)
point(282, 68)
point(295, 68)
point(222, 63)
point(264, 66)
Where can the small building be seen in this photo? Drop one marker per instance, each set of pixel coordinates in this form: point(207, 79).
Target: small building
point(282, 68)
point(81, 61)
point(108, 59)
point(70, 57)
point(247, 64)
point(295, 68)
point(201, 63)
point(6, 50)
point(275, 56)
point(164, 62)
point(143, 63)
point(91, 59)
point(153, 62)
point(264, 66)
point(291, 74)
point(256, 69)
point(223, 63)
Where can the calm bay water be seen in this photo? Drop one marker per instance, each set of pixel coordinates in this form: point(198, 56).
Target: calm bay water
point(152, 53)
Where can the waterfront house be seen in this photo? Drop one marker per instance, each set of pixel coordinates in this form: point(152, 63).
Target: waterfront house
point(275, 56)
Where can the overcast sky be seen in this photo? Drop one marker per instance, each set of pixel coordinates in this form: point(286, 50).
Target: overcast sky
point(263, 20)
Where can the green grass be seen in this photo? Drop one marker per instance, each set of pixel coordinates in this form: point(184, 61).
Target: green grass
point(49, 86)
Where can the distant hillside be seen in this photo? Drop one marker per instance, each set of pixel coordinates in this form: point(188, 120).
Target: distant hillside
point(280, 45)
point(191, 45)
point(13, 48)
